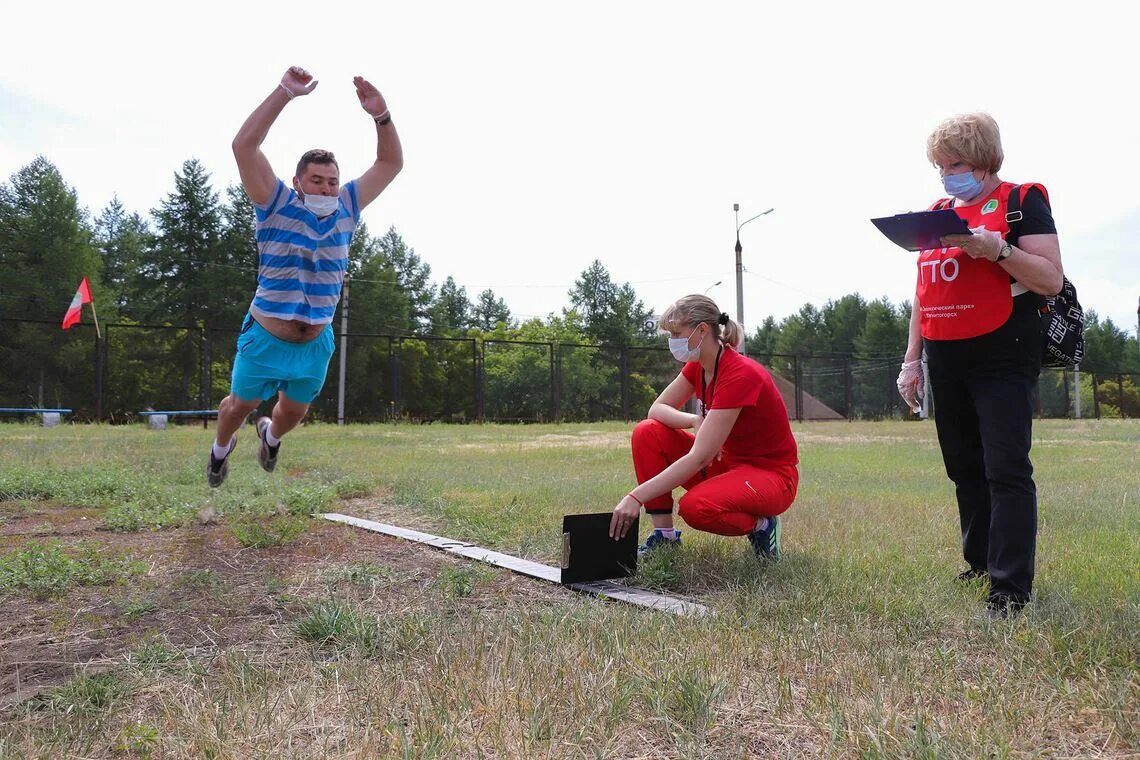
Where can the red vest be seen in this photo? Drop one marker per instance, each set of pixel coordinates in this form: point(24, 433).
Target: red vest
point(960, 297)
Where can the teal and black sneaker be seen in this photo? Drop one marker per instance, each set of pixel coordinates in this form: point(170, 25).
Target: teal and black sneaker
point(656, 541)
point(766, 542)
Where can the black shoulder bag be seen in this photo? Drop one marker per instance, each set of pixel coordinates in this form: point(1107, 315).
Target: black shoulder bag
point(1062, 316)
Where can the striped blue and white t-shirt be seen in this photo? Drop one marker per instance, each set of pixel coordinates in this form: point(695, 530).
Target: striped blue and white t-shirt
point(302, 259)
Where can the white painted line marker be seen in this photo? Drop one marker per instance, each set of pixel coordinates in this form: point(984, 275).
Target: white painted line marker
point(607, 589)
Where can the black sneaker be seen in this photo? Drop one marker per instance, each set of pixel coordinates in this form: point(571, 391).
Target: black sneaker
point(1003, 607)
point(766, 543)
point(266, 454)
point(218, 469)
point(973, 574)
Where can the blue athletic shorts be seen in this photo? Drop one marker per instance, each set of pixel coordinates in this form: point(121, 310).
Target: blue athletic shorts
point(265, 364)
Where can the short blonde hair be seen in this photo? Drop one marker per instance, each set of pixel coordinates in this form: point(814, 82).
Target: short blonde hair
point(690, 311)
point(970, 137)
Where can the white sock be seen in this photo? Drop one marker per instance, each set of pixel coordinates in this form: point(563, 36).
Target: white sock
point(762, 523)
point(220, 451)
point(670, 533)
point(271, 439)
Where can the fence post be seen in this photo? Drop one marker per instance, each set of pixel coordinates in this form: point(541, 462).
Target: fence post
point(342, 359)
point(1076, 390)
point(1096, 399)
point(1120, 388)
point(554, 380)
point(99, 375)
point(848, 401)
point(474, 380)
point(394, 372)
point(205, 353)
point(1065, 388)
point(799, 390)
point(481, 382)
point(625, 383)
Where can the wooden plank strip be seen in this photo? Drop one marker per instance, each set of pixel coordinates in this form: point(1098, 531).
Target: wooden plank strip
point(643, 598)
point(517, 564)
point(607, 589)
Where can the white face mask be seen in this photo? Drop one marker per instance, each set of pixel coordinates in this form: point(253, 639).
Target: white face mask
point(321, 205)
point(681, 350)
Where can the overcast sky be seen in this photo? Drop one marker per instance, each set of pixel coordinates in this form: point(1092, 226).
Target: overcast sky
point(540, 136)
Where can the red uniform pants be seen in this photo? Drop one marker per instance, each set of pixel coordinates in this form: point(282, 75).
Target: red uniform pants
point(724, 499)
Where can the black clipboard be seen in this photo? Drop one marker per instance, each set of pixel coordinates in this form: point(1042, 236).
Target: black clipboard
point(588, 552)
point(921, 230)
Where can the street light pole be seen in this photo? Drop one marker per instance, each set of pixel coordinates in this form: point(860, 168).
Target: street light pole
point(740, 265)
point(739, 270)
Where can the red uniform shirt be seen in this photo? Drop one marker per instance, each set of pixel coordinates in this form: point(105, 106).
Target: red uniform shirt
point(961, 297)
point(761, 436)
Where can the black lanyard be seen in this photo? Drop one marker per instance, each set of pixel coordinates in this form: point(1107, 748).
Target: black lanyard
point(712, 386)
point(711, 391)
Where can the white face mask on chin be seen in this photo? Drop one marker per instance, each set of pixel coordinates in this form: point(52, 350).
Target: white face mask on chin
point(321, 205)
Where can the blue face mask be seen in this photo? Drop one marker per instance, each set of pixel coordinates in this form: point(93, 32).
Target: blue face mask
point(964, 186)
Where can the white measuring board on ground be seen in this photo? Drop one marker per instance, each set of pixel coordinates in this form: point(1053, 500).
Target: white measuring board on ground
point(605, 589)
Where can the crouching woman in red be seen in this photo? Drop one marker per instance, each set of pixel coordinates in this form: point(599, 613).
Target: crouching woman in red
point(738, 465)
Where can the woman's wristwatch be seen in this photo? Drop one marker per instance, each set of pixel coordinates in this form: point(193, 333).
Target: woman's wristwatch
point(1005, 251)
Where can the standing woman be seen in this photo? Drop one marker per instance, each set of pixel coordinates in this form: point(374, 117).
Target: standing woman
point(976, 314)
point(738, 465)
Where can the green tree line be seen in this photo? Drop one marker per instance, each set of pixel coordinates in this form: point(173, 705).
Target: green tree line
point(176, 282)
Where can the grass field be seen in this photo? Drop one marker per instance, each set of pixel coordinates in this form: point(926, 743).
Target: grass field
point(143, 615)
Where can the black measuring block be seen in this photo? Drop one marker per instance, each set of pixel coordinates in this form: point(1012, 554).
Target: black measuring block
point(588, 552)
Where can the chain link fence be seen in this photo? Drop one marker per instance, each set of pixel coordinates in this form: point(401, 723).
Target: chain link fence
point(134, 368)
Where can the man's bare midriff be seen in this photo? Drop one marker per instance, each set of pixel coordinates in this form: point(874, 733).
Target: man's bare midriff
point(290, 330)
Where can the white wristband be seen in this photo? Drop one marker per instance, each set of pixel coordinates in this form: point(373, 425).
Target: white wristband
point(382, 116)
point(286, 89)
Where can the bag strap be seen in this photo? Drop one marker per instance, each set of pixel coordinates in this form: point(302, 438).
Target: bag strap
point(1013, 215)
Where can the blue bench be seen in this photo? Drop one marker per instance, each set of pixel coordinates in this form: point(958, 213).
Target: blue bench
point(50, 417)
point(157, 420)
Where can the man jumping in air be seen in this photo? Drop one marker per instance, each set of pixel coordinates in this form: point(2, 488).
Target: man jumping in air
point(303, 234)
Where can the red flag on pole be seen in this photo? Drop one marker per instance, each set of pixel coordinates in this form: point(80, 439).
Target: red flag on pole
point(82, 296)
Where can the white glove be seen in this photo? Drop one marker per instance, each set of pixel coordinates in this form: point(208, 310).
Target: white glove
point(910, 384)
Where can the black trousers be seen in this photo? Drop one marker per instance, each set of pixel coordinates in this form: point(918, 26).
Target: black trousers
point(984, 394)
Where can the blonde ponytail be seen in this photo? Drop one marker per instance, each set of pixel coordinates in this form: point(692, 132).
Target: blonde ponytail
point(694, 309)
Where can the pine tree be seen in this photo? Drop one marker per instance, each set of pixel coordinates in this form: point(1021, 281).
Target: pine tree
point(489, 312)
point(613, 314)
point(122, 240)
point(763, 342)
point(189, 277)
point(843, 321)
point(879, 350)
point(46, 248)
point(452, 311)
point(412, 275)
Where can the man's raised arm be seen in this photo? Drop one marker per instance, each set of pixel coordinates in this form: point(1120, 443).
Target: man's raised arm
point(257, 175)
point(389, 153)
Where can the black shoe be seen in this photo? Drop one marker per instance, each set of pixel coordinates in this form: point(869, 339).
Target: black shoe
point(766, 543)
point(218, 469)
point(973, 574)
point(1003, 607)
